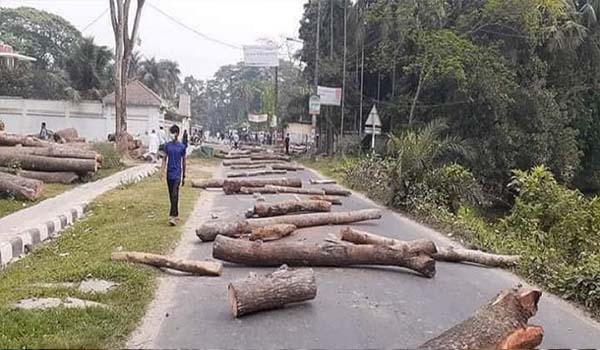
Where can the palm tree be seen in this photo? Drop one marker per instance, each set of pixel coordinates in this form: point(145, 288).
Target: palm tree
point(134, 65)
point(160, 76)
point(88, 68)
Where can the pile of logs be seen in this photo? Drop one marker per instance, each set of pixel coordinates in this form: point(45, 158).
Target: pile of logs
point(27, 158)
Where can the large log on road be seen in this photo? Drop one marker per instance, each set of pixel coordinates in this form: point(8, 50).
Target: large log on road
point(255, 157)
point(20, 188)
point(328, 254)
point(262, 209)
point(257, 173)
point(288, 167)
point(310, 191)
point(250, 167)
point(202, 268)
point(500, 324)
point(250, 162)
point(209, 231)
point(360, 237)
point(53, 151)
point(211, 183)
point(231, 186)
point(271, 233)
point(50, 177)
point(275, 290)
point(39, 163)
point(14, 140)
point(332, 200)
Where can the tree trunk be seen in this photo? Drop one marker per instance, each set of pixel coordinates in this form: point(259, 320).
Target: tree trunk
point(255, 157)
point(20, 188)
point(211, 183)
point(322, 182)
point(329, 254)
point(39, 163)
point(249, 167)
point(250, 162)
point(50, 177)
point(311, 191)
point(210, 230)
point(234, 185)
point(332, 200)
point(272, 291)
point(26, 141)
point(53, 151)
point(288, 167)
point(359, 237)
point(202, 268)
point(257, 173)
point(271, 233)
point(254, 190)
point(262, 209)
point(500, 324)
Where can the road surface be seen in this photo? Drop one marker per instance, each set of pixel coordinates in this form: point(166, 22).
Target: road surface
point(374, 307)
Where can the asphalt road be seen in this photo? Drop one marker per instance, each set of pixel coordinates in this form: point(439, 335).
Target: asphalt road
point(374, 307)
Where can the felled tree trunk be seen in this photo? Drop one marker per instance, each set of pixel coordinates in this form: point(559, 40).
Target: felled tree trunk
point(500, 324)
point(210, 230)
point(50, 177)
point(328, 254)
point(257, 173)
point(262, 209)
point(249, 167)
point(202, 268)
point(271, 233)
point(250, 162)
point(260, 190)
point(322, 182)
point(332, 200)
point(39, 163)
point(211, 183)
point(288, 167)
point(20, 188)
point(442, 254)
point(231, 186)
point(13, 140)
point(53, 151)
point(310, 191)
point(255, 157)
point(360, 237)
point(272, 291)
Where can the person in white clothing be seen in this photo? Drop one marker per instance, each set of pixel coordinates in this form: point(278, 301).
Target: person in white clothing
point(153, 145)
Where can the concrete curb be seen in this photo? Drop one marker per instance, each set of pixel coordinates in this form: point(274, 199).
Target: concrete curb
point(23, 243)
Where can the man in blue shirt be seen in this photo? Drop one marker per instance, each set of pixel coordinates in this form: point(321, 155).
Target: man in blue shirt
point(175, 167)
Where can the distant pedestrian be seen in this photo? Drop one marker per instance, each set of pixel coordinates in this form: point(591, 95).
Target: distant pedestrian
point(236, 141)
point(185, 139)
point(153, 145)
point(287, 144)
point(162, 138)
point(44, 134)
point(174, 163)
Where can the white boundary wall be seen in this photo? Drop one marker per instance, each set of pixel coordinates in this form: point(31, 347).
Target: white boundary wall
point(92, 119)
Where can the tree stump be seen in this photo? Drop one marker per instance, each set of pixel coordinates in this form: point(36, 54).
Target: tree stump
point(500, 324)
point(272, 291)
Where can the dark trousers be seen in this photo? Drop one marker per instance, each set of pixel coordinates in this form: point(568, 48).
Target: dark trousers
point(174, 196)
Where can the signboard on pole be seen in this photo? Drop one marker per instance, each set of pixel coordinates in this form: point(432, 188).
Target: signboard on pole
point(314, 105)
point(369, 130)
point(330, 96)
point(261, 56)
point(258, 118)
point(373, 125)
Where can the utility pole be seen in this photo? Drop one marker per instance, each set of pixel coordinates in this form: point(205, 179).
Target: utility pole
point(276, 107)
point(314, 117)
point(331, 28)
point(362, 81)
point(344, 71)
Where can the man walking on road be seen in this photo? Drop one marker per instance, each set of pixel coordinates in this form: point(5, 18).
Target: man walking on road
point(287, 144)
point(174, 163)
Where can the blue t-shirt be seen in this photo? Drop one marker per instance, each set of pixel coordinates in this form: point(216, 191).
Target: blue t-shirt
point(175, 153)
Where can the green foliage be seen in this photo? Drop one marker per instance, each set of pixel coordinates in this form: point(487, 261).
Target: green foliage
point(88, 69)
point(111, 159)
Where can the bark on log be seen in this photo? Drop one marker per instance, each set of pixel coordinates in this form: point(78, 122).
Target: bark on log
point(231, 186)
point(27, 141)
point(20, 188)
point(311, 191)
point(322, 182)
point(328, 254)
point(289, 207)
point(69, 134)
point(255, 157)
point(257, 173)
point(211, 183)
point(260, 190)
point(332, 200)
point(250, 162)
point(210, 230)
point(50, 177)
point(441, 254)
point(39, 163)
point(53, 151)
point(288, 167)
point(250, 167)
point(272, 291)
point(500, 324)
point(202, 268)
point(424, 246)
point(271, 233)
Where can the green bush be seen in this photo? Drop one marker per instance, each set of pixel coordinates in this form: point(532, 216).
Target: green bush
point(349, 145)
point(111, 159)
point(369, 174)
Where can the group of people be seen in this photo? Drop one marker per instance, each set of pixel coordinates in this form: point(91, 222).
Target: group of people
point(157, 141)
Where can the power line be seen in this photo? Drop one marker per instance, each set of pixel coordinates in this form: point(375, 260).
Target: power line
point(95, 20)
point(204, 36)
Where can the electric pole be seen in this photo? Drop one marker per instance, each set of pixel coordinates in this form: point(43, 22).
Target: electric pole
point(344, 71)
point(362, 81)
point(314, 117)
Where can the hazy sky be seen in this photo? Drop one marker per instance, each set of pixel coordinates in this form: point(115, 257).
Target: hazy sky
point(238, 22)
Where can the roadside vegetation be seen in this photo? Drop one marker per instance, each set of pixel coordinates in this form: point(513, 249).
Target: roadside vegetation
point(132, 217)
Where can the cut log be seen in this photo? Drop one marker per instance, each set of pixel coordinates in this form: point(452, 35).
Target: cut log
point(210, 230)
point(211, 183)
point(441, 254)
point(311, 191)
point(289, 207)
point(272, 291)
point(53, 151)
point(288, 167)
point(14, 140)
point(259, 190)
point(202, 268)
point(250, 167)
point(257, 173)
point(50, 177)
point(231, 186)
point(500, 324)
point(332, 200)
point(271, 233)
point(255, 157)
point(20, 187)
point(250, 162)
point(39, 163)
point(69, 134)
point(322, 182)
point(328, 254)
point(424, 246)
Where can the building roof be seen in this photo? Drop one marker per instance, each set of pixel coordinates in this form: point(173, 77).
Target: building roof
point(138, 94)
point(7, 51)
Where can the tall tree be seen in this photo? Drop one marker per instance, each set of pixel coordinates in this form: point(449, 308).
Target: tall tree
point(88, 69)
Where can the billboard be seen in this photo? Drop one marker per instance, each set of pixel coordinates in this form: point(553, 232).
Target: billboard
point(261, 56)
point(330, 96)
point(258, 118)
